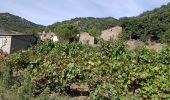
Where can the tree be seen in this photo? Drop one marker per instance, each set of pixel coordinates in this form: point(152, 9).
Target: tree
point(94, 32)
point(150, 24)
point(165, 38)
point(66, 31)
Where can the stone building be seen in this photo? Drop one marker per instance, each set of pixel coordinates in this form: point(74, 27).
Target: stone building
point(86, 38)
point(11, 41)
point(111, 34)
point(44, 36)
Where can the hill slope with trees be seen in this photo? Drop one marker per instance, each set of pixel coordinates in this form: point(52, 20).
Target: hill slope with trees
point(153, 25)
point(89, 24)
point(109, 71)
point(15, 23)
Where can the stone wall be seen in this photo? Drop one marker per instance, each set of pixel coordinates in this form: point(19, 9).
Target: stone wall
point(44, 36)
point(85, 38)
point(111, 34)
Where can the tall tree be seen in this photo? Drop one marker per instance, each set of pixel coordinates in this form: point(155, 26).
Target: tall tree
point(66, 31)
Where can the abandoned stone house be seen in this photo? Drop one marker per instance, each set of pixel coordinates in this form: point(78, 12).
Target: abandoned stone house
point(44, 36)
point(11, 41)
point(86, 38)
point(111, 34)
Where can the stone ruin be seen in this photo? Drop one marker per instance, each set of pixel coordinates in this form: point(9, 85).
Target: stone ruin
point(44, 36)
point(111, 34)
point(86, 38)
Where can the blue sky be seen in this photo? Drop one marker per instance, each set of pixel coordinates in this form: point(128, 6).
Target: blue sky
point(46, 12)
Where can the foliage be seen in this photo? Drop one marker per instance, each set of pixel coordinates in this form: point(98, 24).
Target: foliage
point(110, 70)
point(66, 31)
point(15, 23)
point(165, 38)
point(151, 24)
point(94, 32)
point(89, 24)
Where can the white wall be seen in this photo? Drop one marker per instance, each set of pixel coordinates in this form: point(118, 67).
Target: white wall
point(5, 43)
point(55, 39)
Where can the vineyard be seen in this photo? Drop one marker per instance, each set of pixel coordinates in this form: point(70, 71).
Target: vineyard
point(108, 71)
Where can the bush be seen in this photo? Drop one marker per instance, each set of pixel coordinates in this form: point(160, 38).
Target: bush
point(110, 70)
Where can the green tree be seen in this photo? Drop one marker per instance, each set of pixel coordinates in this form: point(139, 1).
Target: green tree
point(66, 31)
point(165, 38)
point(151, 24)
point(94, 32)
point(16, 23)
point(87, 23)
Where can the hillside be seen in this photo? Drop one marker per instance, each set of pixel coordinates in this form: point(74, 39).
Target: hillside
point(153, 25)
point(19, 24)
point(89, 24)
point(109, 71)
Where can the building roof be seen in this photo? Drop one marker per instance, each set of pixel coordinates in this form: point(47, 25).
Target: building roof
point(5, 32)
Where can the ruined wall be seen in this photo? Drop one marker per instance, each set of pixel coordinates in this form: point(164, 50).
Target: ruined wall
point(111, 33)
point(44, 36)
point(85, 38)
